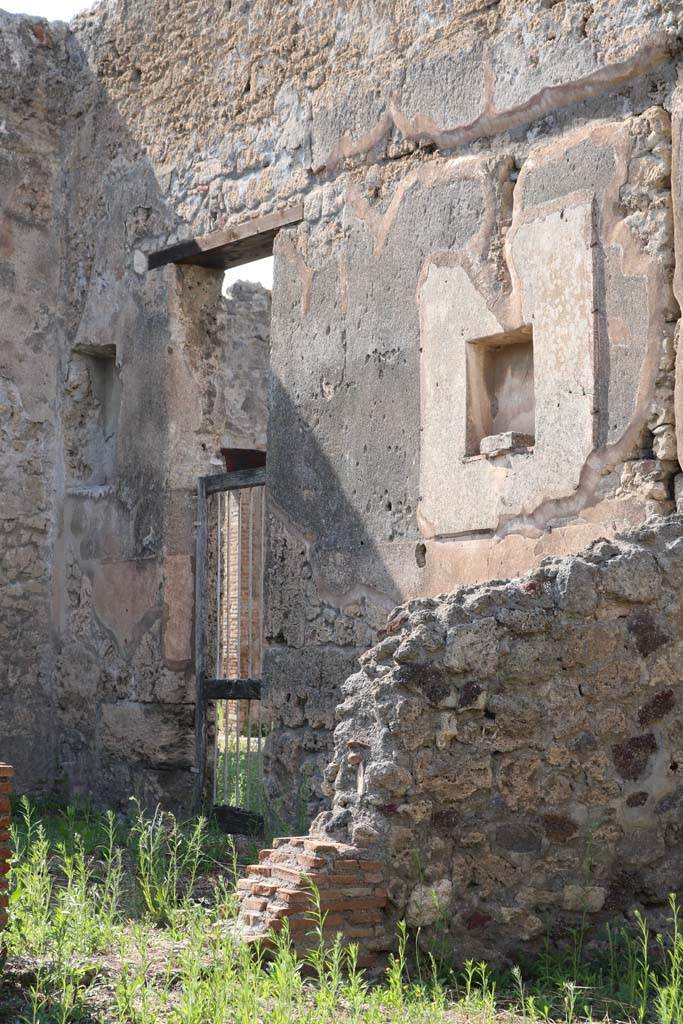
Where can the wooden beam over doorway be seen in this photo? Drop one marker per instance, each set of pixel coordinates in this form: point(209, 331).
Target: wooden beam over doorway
point(231, 246)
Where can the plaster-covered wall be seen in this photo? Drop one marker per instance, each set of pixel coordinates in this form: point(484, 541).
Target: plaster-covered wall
point(438, 153)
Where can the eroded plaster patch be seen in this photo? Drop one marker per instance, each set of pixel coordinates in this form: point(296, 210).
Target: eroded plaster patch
point(422, 128)
point(124, 592)
point(553, 257)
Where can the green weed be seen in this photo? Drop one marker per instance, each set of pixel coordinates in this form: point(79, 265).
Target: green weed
point(105, 929)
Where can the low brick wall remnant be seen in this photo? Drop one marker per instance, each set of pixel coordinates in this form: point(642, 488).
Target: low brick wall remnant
point(352, 895)
point(6, 775)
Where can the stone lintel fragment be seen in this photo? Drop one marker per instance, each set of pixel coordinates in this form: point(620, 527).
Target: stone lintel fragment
point(508, 441)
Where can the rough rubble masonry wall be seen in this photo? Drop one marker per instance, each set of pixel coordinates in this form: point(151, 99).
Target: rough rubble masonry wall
point(513, 751)
point(438, 151)
point(6, 774)
point(32, 75)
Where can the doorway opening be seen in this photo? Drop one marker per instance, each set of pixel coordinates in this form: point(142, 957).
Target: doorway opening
point(231, 520)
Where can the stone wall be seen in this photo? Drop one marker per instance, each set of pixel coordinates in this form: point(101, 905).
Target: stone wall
point(128, 548)
point(6, 773)
point(119, 390)
point(512, 750)
point(415, 264)
point(438, 152)
point(32, 84)
point(405, 170)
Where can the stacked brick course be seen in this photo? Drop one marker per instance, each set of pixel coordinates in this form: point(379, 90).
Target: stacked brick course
point(6, 774)
point(352, 895)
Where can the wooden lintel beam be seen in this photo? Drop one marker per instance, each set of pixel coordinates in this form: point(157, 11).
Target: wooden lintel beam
point(234, 480)
point(232, 689)
point(231, 246)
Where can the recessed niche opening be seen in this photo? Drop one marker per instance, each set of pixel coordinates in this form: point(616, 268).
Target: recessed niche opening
point(91, 415)
point(501, 415)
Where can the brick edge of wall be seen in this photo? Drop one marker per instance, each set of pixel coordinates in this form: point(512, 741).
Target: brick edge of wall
point(6, 775)
point(350, 884)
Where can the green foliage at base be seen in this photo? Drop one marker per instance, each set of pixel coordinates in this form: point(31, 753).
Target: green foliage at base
point(120, 921)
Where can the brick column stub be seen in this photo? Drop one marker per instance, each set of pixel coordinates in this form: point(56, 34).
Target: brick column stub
point(352, 892)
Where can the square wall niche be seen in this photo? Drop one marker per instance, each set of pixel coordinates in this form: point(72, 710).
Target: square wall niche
point(491, 386)
point(501, 403)
point(92, 403)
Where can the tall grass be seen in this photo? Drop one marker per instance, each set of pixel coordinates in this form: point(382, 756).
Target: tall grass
point(107, 928)
point(168, 858)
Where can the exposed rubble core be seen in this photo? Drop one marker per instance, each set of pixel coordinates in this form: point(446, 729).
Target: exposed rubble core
point(512, 751)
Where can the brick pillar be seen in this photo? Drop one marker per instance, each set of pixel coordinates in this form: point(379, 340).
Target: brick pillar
point(351, 887)
point(6, 774)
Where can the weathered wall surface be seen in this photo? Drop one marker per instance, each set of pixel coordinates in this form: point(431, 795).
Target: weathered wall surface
point(513, 750)
point(119, 389)
point(438, 153)
point(31, 114)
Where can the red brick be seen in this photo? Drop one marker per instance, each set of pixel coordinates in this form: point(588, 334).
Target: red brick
point(324, 881)
point(294, 897)
point(359, 931)
point(257, 869)
point(304, 922)
point(344, 863)
point(326, 846)
point(374, 917)
point(5, 788)
point(6, 771)
point(283, 856)
point(289, 875)
point(299, 927)
point(292, 910)
point(255, 903)
point(263, 889)
point(355, 892)
point(4, 806)
point(308, 860)
point(361, 903)
point(372, 865)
